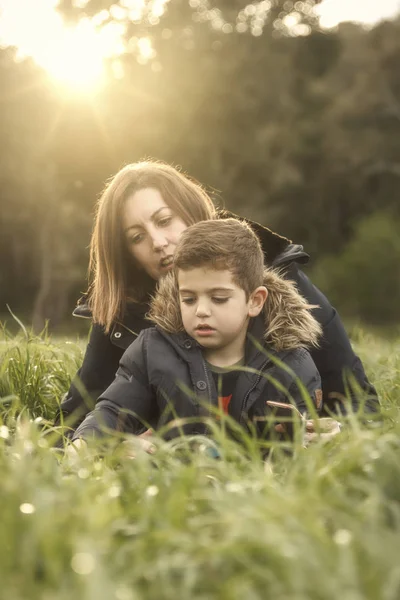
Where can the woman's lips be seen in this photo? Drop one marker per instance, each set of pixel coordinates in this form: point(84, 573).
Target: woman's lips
point(167, 267)
point(166, 262)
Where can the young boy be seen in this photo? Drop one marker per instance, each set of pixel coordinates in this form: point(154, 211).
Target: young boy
point(228, 334)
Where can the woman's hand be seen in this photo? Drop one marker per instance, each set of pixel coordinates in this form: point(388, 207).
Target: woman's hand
point(73, 450)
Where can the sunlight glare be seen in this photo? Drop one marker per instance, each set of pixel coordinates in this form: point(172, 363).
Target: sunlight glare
point(76, 58)
point(145, 49)
point(73, 56)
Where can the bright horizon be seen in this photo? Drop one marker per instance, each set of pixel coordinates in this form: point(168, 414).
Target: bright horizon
point(75, 56)
point(369, 12)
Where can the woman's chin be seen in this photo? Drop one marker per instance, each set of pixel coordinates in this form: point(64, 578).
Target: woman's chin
point(166, 269)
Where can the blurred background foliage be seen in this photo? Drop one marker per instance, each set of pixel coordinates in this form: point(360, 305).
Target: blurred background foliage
point(285, 123)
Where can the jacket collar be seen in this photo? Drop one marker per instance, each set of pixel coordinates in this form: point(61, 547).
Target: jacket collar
point(185, 345)
point(286, 318)
point(292, 253)
point(273, 244)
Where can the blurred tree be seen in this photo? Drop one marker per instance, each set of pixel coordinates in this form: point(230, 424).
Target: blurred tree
point(37, 272)
point(364, 279)
point(151, 13)
point(286, 124)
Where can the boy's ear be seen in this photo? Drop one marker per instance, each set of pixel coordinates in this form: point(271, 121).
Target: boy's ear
point(257, 300)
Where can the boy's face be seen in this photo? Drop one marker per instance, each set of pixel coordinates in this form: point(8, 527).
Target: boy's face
point(214, 309)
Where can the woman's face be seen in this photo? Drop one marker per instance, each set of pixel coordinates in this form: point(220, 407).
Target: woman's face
point(152, 231)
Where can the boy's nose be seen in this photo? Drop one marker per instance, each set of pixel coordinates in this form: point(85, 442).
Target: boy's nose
point(203, 310)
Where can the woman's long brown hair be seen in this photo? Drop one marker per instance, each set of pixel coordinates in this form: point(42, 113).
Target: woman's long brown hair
point(114, 277)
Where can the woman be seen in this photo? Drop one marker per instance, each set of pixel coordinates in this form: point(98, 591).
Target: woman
point(141, 214)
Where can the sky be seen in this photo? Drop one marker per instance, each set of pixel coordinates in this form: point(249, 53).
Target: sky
point(369, 12)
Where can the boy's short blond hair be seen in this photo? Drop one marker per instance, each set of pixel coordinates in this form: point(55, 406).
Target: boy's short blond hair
point(223, 244)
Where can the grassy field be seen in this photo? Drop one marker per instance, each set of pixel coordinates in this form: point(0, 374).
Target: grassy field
point(322, 524)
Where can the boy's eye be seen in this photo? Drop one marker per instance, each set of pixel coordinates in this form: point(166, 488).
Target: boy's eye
point(188, 300)
point(217, 300)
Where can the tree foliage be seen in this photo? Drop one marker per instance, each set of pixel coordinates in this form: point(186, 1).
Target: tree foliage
point(364, 279)
point(300, 132)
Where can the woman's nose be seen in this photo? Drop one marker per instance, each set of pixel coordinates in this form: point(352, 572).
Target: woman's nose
point(159, 240)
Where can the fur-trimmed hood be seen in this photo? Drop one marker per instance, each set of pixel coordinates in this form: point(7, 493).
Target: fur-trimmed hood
point(289, 323)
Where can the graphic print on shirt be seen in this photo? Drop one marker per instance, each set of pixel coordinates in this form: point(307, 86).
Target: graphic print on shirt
point(223, 403)
point(225, 382)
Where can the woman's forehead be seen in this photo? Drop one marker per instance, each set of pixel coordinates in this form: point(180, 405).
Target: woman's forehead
point(142, 206)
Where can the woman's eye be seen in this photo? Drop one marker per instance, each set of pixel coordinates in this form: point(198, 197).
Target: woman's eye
point(220, 300)
point(135, 239)
point(187, 300)
point(164, 221)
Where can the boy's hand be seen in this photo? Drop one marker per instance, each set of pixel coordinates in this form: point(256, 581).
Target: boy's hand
point(289, 413)
point(321, 429)
point(136, 444)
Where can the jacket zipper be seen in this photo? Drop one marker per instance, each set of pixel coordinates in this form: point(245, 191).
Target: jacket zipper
point(207, 380)
point(252, 387)
point(198, 406)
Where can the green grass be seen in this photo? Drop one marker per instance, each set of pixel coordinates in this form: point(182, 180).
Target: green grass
point(323, 525)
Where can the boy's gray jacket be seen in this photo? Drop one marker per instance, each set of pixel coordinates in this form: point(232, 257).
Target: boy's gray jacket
point(163, 377)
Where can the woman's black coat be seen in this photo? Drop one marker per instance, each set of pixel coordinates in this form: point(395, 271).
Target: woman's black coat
point(335, 359)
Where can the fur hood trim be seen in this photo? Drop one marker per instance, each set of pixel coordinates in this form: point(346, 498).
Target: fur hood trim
point(289, 323)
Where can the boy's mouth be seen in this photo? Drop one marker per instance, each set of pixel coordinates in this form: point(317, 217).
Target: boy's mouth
point(204, 329)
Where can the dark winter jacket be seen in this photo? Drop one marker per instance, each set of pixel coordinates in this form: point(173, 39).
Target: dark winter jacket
point(163, 376)
point(334, 358)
